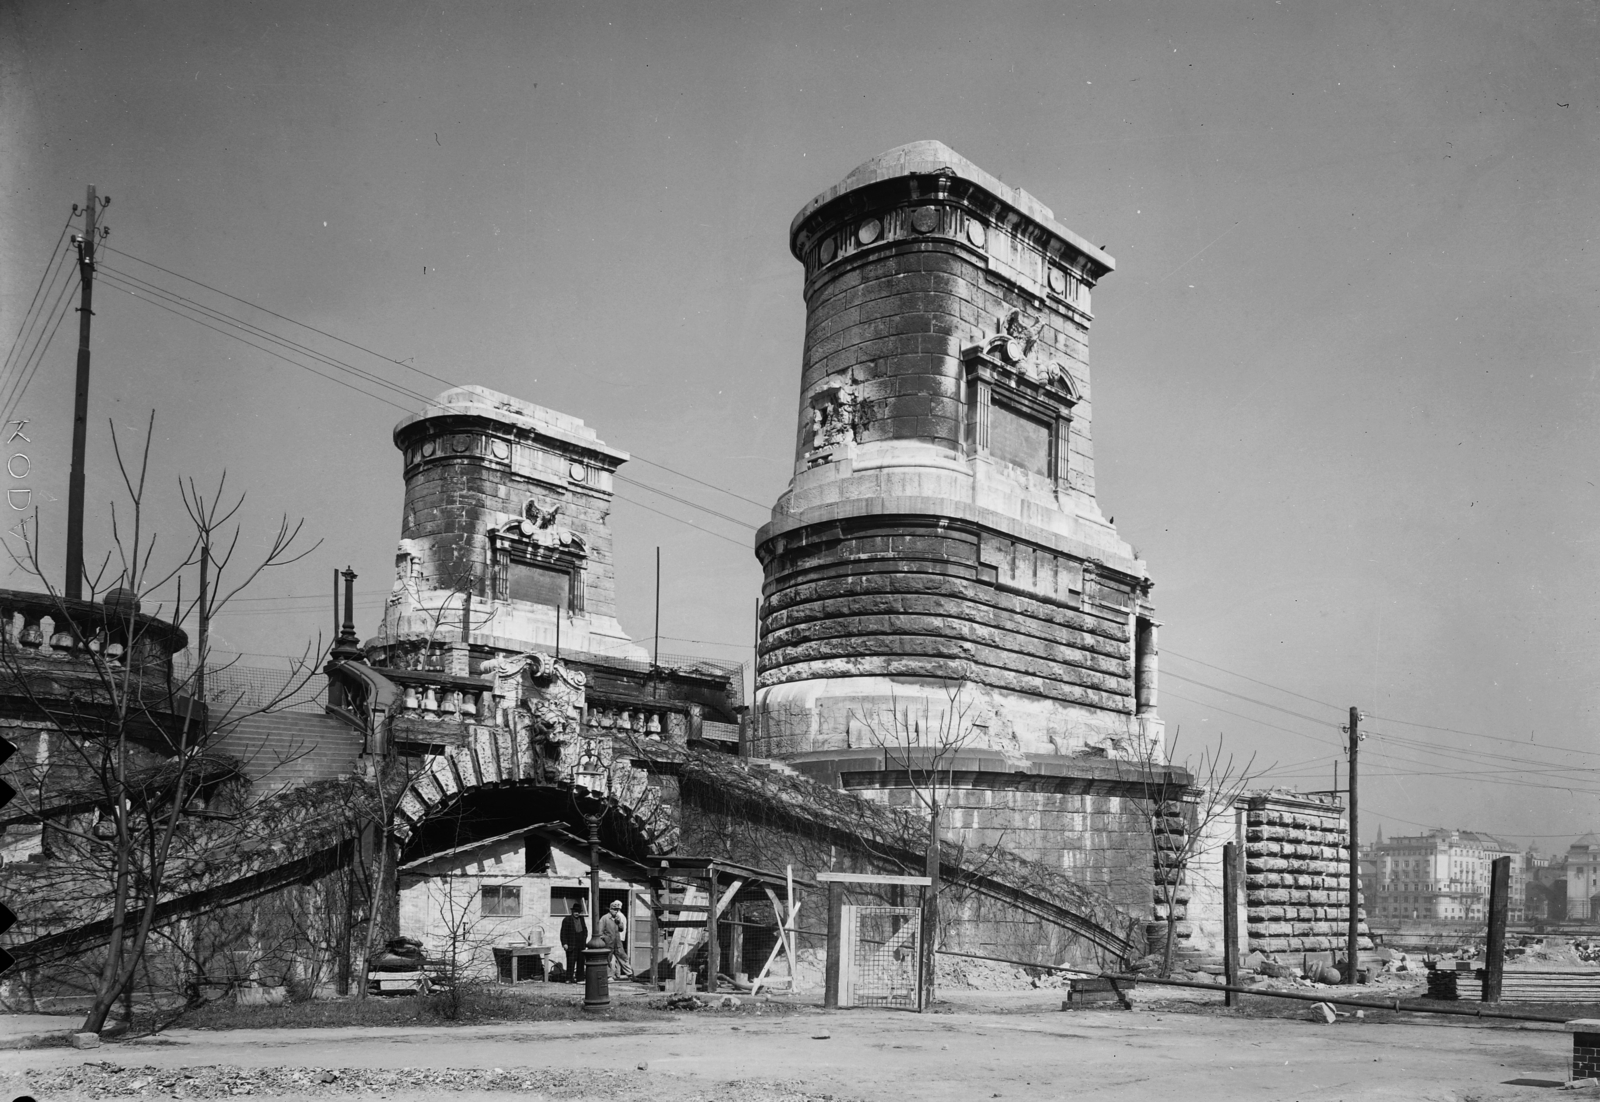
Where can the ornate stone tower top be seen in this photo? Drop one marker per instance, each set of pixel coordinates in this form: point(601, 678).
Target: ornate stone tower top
point(504, 540)
point(941, 526)
point(946, 350)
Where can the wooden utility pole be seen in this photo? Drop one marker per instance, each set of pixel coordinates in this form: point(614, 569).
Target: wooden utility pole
point(1352, 935)
point(80, 399)
point(1494, 963)
point(657, 660)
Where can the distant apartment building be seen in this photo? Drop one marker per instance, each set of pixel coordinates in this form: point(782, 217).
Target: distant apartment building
point(1546, 892)
point(1583, 879)
point(1441, 876)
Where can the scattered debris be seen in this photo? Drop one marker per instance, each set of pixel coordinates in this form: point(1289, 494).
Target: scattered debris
point(108, 1080)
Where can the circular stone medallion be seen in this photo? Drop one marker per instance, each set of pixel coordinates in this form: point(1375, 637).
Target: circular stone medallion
point(500, 449)
point(826, 252)
point(924, 219)
point(427, 448)
point(869, 231)
point(1058, 281)
point(577, 472)
point(976, 234)
point(460, 444)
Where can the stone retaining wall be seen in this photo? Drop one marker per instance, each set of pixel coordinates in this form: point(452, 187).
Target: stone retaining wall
point(1296, 875)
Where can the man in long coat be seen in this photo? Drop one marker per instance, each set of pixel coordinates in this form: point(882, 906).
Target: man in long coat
point(574, 936)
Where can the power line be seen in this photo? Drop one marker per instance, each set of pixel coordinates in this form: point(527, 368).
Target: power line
point(707, 485)
point(1240, 715)
point(57, 253)
point(285, 317)
point(1385, 719)
point(1553, 767)
point(178, 304)
point(684, 501)
point(1251, 699)
point(681, 520)
point(256, 330)
point(257, 347)
point(30, 367)
point(1247, 677)
point(398, 363)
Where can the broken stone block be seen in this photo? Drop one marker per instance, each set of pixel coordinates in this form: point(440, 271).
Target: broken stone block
point(1324, 1013)
point(86, 1040)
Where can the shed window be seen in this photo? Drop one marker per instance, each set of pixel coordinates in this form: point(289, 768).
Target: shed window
point(501, 902)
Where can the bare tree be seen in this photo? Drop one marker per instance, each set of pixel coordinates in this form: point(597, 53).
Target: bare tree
point(1178, 808)
point(922, 744)
point(137, 745)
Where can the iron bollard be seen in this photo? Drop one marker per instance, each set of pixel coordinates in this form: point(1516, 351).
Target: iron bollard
point(597, 975)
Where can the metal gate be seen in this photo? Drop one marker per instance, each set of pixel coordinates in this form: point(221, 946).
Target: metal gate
point(880, 950)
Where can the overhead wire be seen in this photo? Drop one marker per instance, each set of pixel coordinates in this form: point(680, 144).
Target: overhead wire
point(707, 485)
point(681, 520)
point(1382, 718)
point(179, 305)
point(285, 317)
point(684, 501)
point(56, 256)
point(276, 355)
point(1501, 775)
point(1168, 651)
point(42, 343)
point(399, 363)
point(267, 334)
point(123, 280)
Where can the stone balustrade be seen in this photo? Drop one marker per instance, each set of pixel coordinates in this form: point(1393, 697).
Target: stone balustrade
point(641, 720)
point(42, 626)
point(435, 696)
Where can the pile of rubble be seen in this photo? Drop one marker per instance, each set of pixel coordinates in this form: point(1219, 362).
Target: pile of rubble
point(108, 1080)
point(972, 974)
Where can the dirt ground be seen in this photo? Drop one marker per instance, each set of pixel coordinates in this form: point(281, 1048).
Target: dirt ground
point(1016, 1045)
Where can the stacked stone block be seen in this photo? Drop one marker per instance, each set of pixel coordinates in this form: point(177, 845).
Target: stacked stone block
point(1169, 835)
point(1297, 875)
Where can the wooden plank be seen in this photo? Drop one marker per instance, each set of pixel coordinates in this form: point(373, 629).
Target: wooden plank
point(683, 941)
point(830, 983)
point(655, 932)
point(713, 948)
point(1230, 921)
point(871, 878)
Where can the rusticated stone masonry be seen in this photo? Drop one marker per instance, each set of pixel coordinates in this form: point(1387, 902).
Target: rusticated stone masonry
point(1169, 833)
point(1297, 875)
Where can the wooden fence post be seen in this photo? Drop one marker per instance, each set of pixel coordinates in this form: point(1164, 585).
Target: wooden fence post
point(830, 983)
point(1494, 964)
point(1230, 921)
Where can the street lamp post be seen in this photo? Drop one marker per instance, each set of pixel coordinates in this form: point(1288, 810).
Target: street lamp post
point(596, 954)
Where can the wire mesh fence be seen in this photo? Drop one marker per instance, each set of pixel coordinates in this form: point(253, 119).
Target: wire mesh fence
point(882, 954)
point(235, 688)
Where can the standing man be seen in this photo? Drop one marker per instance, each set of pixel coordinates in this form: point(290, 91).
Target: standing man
point(614, 932)
point(574, 936)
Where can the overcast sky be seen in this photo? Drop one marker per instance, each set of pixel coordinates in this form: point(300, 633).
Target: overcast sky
point(1344, 374)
